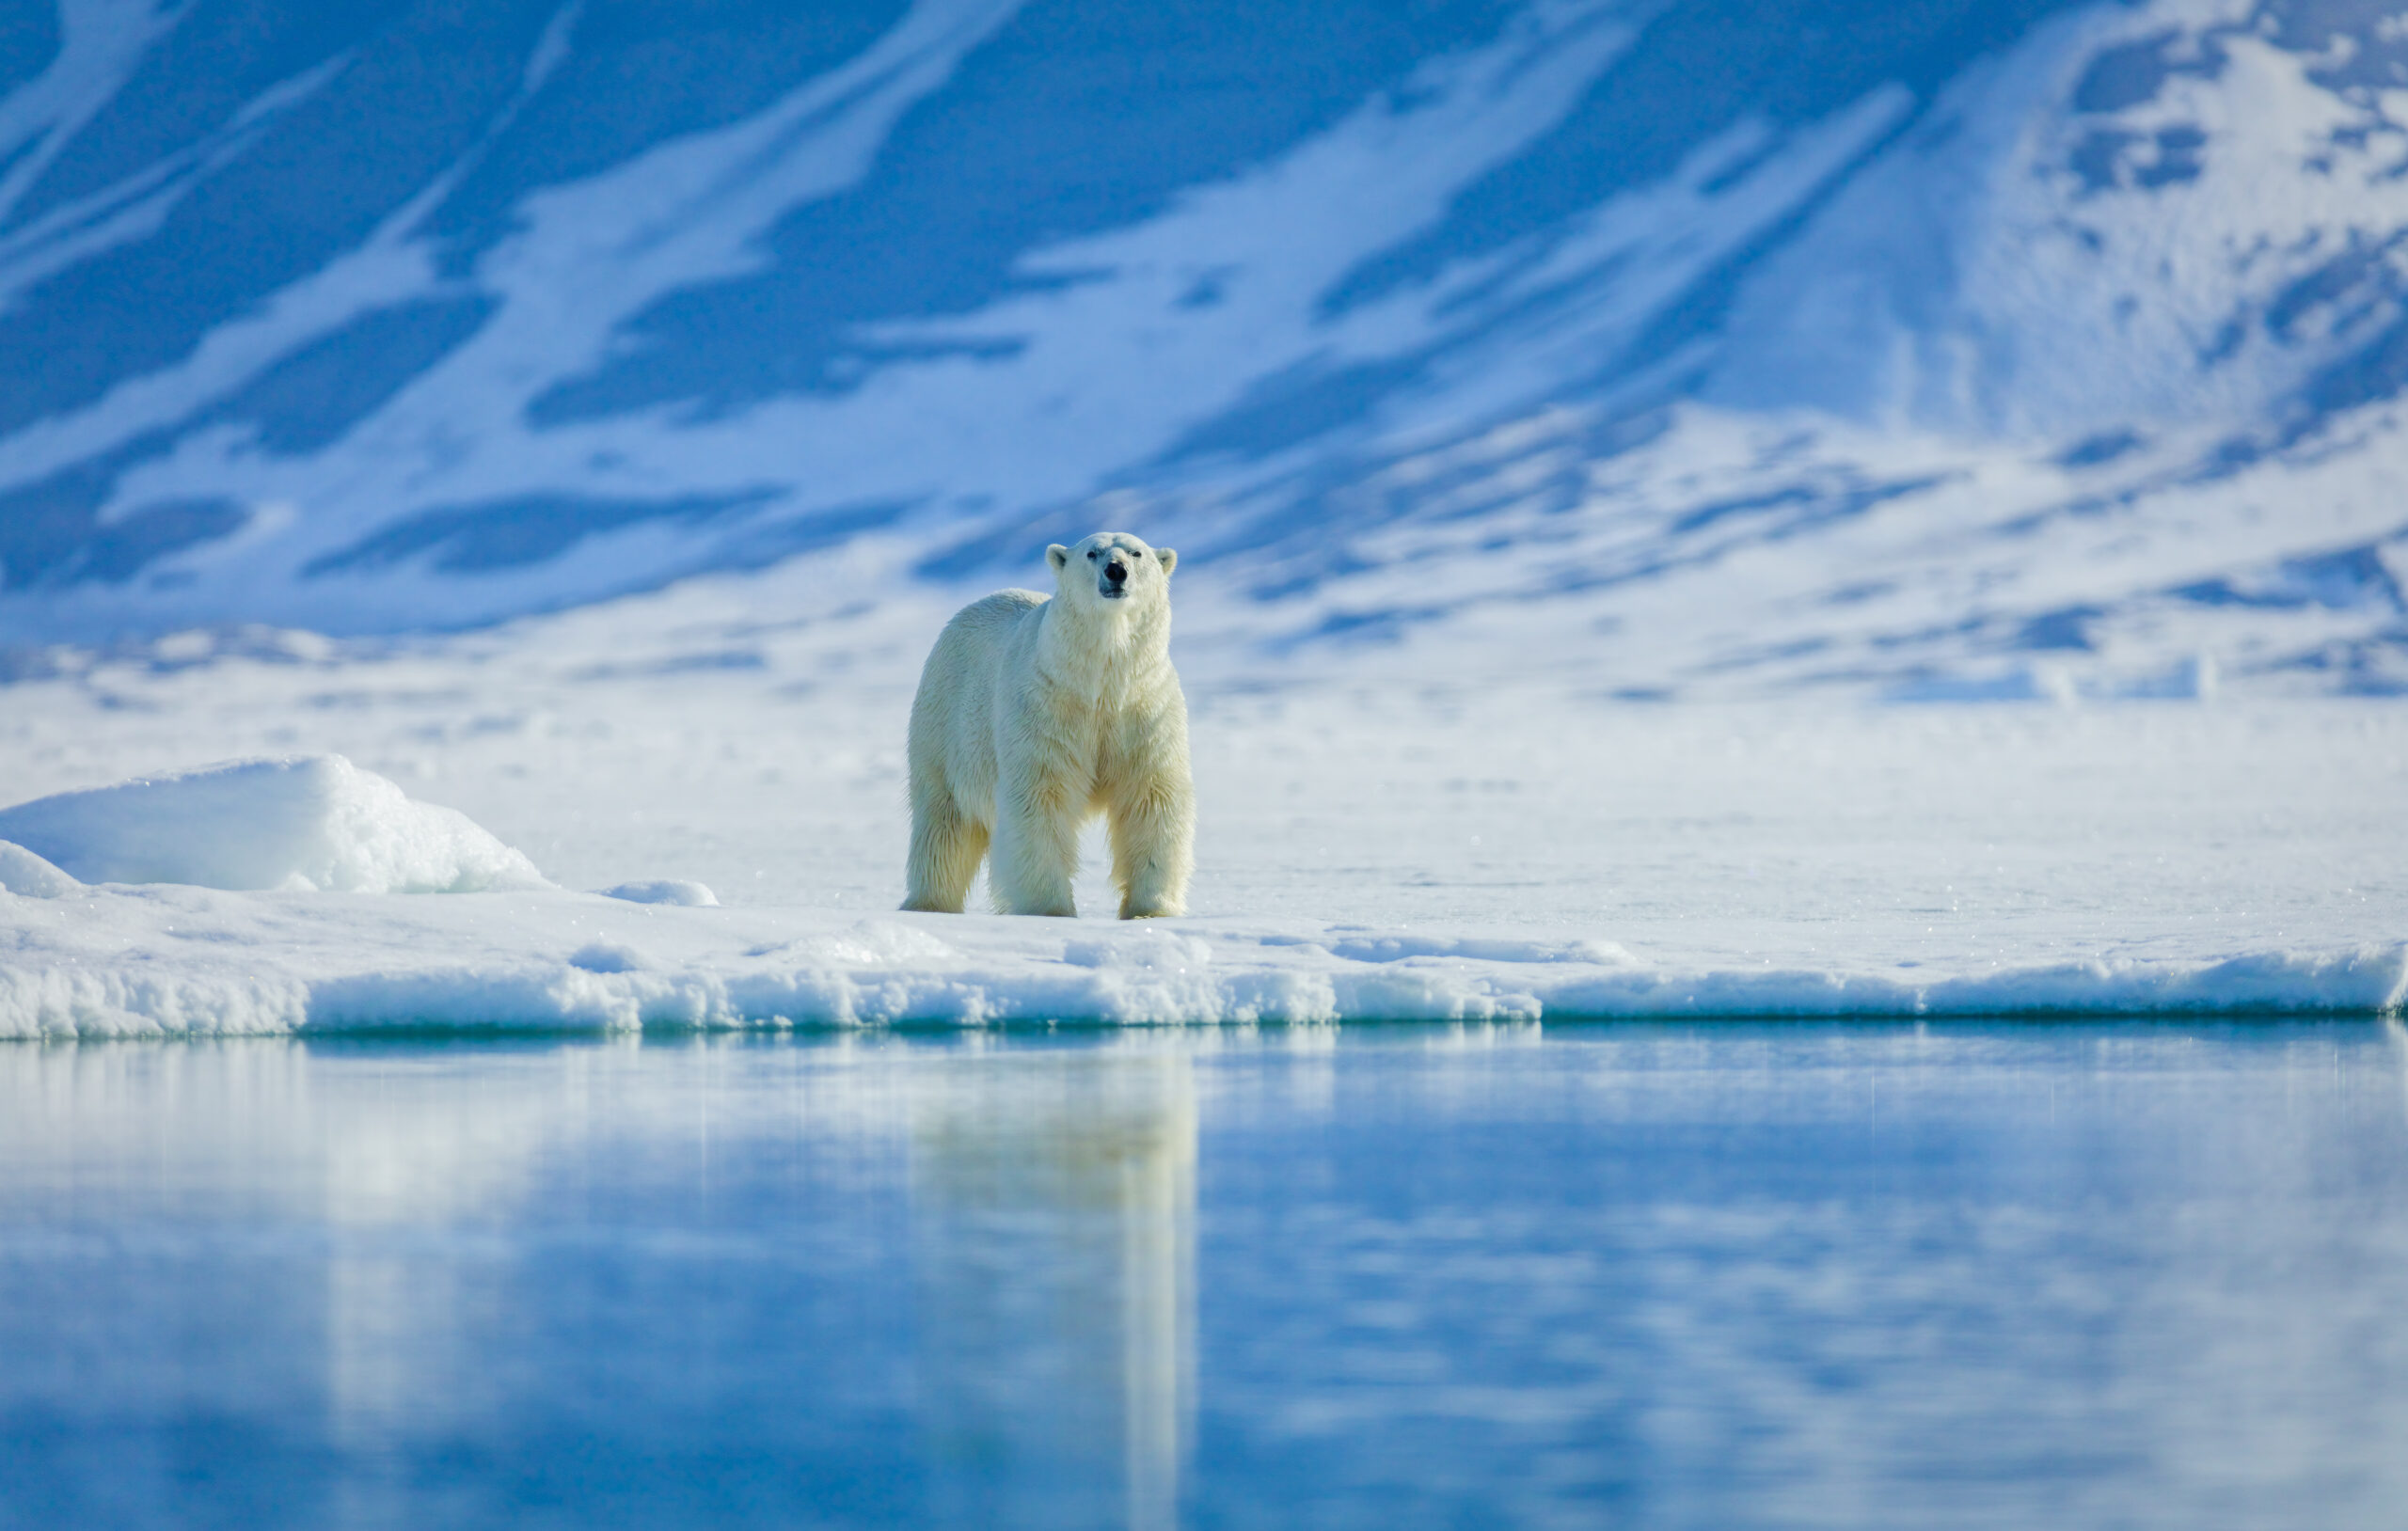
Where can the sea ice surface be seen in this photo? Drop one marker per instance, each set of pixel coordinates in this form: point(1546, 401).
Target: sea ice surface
point(1464, 848)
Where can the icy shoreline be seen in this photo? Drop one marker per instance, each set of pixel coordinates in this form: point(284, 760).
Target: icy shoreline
point(126, 961)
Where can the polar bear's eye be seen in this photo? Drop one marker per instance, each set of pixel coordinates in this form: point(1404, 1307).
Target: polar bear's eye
point(1090, 556)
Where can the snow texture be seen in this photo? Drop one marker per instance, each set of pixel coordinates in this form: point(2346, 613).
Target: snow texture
point(665, 890)
point(28, 876)
point(305, 823)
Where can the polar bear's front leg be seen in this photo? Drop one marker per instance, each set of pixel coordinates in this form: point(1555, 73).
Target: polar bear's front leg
point(1036, 850)
point(1153, 843)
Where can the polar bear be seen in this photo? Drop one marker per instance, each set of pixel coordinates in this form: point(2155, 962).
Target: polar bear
point(1037, 713)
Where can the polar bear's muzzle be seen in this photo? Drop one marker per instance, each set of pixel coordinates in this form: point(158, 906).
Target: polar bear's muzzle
point(1115, 581)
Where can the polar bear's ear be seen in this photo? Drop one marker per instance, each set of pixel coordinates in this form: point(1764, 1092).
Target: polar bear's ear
point(1057, 556)
point(1170, 559)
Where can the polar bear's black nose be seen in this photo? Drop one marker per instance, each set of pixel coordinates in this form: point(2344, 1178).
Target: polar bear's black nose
point(1117, 572)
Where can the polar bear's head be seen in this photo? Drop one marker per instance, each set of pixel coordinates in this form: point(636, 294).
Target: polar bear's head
point(1112, 566)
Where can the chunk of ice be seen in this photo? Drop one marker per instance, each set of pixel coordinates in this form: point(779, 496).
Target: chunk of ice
point(297, 823)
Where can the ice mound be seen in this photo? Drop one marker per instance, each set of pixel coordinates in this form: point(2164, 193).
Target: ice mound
point(608, 956)
point(297, 823)
point(28, 876)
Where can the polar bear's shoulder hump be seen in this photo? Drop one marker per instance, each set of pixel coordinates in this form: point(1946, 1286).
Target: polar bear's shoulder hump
point(1000, 610)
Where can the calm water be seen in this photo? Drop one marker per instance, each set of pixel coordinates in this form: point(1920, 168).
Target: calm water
point(1710, 1276)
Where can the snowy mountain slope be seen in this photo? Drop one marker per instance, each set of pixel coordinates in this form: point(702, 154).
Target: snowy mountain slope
point(1725, 553)
point(1954, 348)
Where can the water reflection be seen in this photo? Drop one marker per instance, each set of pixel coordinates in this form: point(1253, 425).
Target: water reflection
point(1680, 1275)
point(1056, 1202)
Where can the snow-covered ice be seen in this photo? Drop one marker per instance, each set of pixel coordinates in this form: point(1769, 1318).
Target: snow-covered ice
point(303, 822)
point(128, 961)
point(28, 876)
point(1466, 848)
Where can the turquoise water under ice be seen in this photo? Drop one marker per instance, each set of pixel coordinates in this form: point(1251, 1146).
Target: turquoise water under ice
point(1713, 1275)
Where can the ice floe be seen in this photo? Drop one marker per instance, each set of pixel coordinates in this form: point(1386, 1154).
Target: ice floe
point(122, 961)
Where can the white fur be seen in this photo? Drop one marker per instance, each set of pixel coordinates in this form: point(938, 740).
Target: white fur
point(1037, 713)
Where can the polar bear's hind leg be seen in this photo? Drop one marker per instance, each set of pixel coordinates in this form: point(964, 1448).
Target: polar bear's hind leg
point(946, 847)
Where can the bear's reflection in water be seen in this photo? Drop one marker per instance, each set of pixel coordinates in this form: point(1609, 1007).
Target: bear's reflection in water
point(1055, 1222)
